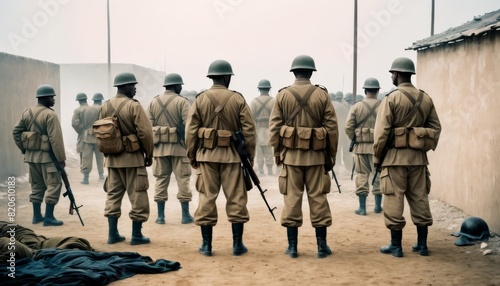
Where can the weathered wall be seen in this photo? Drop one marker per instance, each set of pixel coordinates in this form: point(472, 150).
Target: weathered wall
point(463, 79)
point(93, 78)
point(19, 79)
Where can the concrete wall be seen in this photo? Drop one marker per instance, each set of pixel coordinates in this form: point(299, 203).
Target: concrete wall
point(93, 78)
point(463, 79)
point(19, 79)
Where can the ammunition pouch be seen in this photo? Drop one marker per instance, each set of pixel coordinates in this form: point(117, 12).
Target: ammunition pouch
point(35, 141)
point(287, 134)
point(364, 135)
point(303, 138)
point(223, 138)
point(131, 143)
point(319, 138)
point(418, 138)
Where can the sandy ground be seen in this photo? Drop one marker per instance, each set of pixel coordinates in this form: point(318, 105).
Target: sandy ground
point(354, 240)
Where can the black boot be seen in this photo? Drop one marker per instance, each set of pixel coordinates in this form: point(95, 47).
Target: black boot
point(292, 233)
point(113, 234)
point(323, 248)
point(49, 219)
point(37, 213)
point(362, 205)
point(137, 237)
point(85, 180)
point(238, 247)
point(378, 204)
point(206, 245)
point(394, 248)
point(161, 213)
point(421, 245)
point(186, 216)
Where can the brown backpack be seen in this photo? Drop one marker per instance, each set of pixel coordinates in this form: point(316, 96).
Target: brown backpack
point(108, 133)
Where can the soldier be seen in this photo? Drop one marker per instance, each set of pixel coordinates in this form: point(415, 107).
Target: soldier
point(214, 116)
point(99, 156)
point(82, 120)
point(168, 113)
point(303, 113)
point(359, 127)
point(127, 170)
point(36, 134)
point(261, 110)
point(341, 110)
point(407, 126)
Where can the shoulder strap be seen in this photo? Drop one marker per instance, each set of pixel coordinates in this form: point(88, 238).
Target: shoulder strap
point(218, 107)
point(302, 105)
point(115, 113)
point(33, 120)
point(416, 105)
point(371, 112)
point(262, 107)
point(163, 107)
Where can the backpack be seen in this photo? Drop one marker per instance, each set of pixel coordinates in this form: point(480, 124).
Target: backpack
point(108, 133)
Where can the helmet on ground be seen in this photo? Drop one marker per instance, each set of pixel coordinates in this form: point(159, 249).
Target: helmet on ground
point(220, 67)
point(403, 64)
point(98, 96)
point(371, 83)
point(124, 78)
point(81, 96)
point(303, 62)
point(45, 90)
point(339, 95)
point(172, 79)
point(264, 83)
point(473, 229)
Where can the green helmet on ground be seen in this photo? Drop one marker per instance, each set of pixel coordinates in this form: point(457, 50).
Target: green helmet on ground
point(172, 79)
point(81, 96)
point(264, 83)
point(44, 91)
point(303, 62)
point(98, 96)
point(124, 78)
point(220, 67)
point(473, 229)
point(403, 64)
point(371, 83)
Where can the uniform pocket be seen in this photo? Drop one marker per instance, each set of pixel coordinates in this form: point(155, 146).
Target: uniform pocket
point(156, 134)
point(200, 186)
point(209, 138)
point(164, 134)
point(385, 182)
point(131, 143)
point(53, 177)
point(172, 134)
point(31, 140)
point(400, 137)
point(186, 167)
point(287, 134)
point(223, 138)
point(282, 184)
point(366, 135)
point(327, 183)
point(142, 182)
point(303, 138)
point(319, 138)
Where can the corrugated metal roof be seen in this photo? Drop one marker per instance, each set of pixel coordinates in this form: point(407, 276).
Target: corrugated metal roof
point(479, 25)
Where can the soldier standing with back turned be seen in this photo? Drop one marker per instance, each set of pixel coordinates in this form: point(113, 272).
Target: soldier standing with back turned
point(303, 113)
point(407, 127)
point(359, 127)
point(168, 113)
point(213, 118)
point(44, 177)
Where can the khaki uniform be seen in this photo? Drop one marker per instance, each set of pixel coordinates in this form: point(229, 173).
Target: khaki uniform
point(172, 156)
point(304, 168)
point(83, 118)
point(126, 170)
point(341, 110)
point(45, 180)
point(404, 172)
point(220, 166)
point(363, 150)
point(261, 110)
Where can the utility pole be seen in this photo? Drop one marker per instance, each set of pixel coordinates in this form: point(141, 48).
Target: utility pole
point(432, 18)
point(355, 54)
point(109, 53)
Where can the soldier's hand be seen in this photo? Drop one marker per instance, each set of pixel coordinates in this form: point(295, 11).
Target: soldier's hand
point(194, 164)
point(277, 160)
point(148, 161)
point(376, 165)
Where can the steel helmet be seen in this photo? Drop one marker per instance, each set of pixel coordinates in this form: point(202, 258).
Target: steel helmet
point(124, 78)
point(264, 83)
point(303, 62)
point(371, 83)
point(45, 90)
point(98, 96)
point(172, 79)
point(332, 95)
point(403, 65)
point(473, 229)
point(81, 96)
point(220, 67)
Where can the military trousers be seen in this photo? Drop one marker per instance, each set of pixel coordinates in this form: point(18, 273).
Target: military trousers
point(210, 177)
point(87, 158)
point(162, 170)
point(264, 155)
point(292, 182)
point(45, 182)
point(364, 173)
point(134, 182)
point(412, 183)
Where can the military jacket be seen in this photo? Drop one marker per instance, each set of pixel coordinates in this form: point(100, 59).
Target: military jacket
point(357, 113)
point(261, 111)
point(83, 118)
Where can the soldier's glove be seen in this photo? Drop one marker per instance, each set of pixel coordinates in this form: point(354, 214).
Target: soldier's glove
point(148, 161)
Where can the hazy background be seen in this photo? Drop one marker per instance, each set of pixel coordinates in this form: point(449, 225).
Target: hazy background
point(259, 38)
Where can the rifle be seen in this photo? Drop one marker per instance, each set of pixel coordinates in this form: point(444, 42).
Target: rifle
point(351, 147)
point(382, 157)
point(336, 181)
point(68, 192)
point(239, 142)
point(329, 162)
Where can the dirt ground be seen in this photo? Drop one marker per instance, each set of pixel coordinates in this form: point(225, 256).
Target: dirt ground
point(354, 240)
